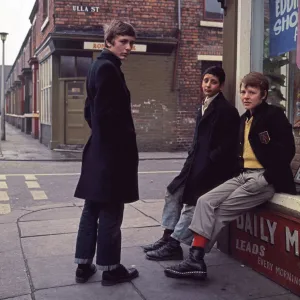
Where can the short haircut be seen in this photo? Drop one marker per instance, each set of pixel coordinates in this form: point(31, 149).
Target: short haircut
point(257, 80)
point(216, 71)
point(115, 28)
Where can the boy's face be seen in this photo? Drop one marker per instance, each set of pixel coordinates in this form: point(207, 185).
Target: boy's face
point(121, 46)
point(210, 85)
point(250, 97)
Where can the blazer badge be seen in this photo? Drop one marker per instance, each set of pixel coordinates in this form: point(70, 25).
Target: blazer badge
point(264, 137)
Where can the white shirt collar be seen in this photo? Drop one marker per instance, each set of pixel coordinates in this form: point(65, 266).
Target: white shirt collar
point(207, 102)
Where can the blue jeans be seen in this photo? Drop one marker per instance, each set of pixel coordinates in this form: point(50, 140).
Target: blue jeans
point(178, 217)
point(100, 225)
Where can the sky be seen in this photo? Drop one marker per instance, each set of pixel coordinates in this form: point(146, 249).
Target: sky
point(14, 19)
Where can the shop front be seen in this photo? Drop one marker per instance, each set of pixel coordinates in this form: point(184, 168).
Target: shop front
point(262, 36)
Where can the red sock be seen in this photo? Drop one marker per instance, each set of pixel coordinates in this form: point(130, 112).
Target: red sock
point(199, 241)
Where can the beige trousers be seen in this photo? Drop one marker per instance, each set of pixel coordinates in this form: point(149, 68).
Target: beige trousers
point(228, 201)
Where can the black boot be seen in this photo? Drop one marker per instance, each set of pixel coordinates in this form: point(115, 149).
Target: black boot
point(169, 251)
point(119, 275)
point(85, 272)
point(162, 241)
point(192, 267)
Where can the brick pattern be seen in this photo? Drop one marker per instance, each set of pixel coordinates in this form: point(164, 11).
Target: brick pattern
point(150, 17)
point(42, 35)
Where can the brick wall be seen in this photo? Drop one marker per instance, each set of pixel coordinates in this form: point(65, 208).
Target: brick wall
point(27, 53)
point(150, 17)
point(40, 36)
point(195, 40)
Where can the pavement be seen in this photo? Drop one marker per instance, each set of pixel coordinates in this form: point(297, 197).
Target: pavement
point(37, 252)
point(37, 242)
point(19, 146)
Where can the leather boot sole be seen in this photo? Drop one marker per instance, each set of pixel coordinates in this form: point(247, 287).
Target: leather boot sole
point(131, 276)
point(196, 275)
point(164, 258)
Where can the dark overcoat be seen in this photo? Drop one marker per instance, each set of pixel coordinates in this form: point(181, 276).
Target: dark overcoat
point(212, 157)
point(109, 170)
point(272, 141)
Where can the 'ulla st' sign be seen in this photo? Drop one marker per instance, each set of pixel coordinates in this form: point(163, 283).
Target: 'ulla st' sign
point(80, 8)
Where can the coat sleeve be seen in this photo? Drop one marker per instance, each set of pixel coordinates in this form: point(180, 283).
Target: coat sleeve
point(106, 108)
point(282, 143)
point(227, 128)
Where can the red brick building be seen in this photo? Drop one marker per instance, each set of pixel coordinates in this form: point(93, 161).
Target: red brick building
point(176, 41)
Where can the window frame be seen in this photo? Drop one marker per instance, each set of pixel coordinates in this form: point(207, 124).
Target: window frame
point(46, 91)
point(46, 13)
point(205, 18)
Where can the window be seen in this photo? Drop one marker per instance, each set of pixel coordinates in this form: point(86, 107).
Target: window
point(46, 89)
point(213, 11)
point(45, 9)
point(71, 66)
point(45, 14)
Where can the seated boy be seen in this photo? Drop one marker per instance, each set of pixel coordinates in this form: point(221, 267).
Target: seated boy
point(266, 150)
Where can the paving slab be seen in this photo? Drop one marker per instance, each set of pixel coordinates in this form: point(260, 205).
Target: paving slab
point(64, 244)
point(48, 272)
point(152, 209)
point(13, 216)
point(53, 214)
point(226, 281)
point(153, 284)
point(282, 297)
point(24, 297)
point(13, 276)
point(51, 245)
point(140, 236)
point(134, 218)
point(90, 291)
point(237, 282)
point(9, 237)
point(38, 228)
point(49, 206)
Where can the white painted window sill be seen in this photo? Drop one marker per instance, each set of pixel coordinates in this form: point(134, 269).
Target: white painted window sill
point(210, 57)
point(211, 24)
point(46, 22)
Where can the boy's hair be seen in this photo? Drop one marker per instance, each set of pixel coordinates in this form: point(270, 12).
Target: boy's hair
point(257, 80)
point(216, 71)
point(116, 28)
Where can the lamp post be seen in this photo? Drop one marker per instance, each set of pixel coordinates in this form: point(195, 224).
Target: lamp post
point(3, 36)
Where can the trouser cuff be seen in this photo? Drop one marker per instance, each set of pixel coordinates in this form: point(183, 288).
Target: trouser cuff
point(108, 268)
point(83, 261)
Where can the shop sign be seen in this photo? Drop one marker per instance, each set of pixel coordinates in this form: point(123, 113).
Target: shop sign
point(283, 26)
point(99, 46)
point(268, 242)
point(45, 52)
point(90, 9)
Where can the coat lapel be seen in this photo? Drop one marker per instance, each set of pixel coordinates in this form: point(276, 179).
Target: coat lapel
point(258, 117)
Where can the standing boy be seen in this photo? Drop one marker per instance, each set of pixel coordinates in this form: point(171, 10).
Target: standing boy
point(109, 174)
